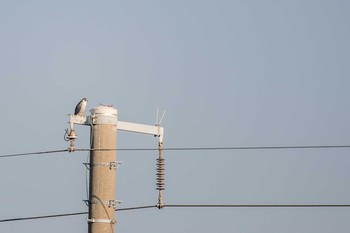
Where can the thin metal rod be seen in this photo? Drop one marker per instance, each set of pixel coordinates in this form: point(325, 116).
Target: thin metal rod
point(161, 118)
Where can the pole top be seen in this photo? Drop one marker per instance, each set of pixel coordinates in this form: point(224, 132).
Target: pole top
point(104, 110)
point(104, 115)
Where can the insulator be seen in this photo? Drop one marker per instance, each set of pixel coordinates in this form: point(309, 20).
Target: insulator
point(160, 174)
point(71, 137)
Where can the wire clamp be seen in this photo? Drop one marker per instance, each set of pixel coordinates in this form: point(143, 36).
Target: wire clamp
point(110, 203)
point(112, 165)
point(113, 203)
point(96, 220)
point(71, 137)
point(115, 165)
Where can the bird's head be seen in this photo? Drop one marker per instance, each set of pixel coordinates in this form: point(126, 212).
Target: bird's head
point(85, 99)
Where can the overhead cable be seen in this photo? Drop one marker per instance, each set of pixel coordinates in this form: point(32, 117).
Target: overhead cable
point(41, 217)
point(185, 149)
point(258, 205)
point(191, 206)
point(70, 214)
point(260, 147)
point(33, 153)
point(225, 148)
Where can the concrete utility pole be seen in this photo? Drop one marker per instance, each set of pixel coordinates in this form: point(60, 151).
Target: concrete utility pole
point(103, 164)
point(102, 170)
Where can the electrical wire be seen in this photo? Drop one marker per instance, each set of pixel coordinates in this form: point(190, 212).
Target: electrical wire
point(137, 208)
point(87, 185)
point(225, 148)
point(70, 214)
point(41, 217)
point(185, 149)
point(258, 205)
point(220, 148)
point(33, 153)
point(190, 206)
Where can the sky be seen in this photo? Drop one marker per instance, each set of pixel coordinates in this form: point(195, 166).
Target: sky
point(227, 73)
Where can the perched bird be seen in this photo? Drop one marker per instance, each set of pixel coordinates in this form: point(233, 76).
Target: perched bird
point(80, 108)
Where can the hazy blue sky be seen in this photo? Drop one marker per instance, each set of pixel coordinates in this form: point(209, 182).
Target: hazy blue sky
point(228, 73)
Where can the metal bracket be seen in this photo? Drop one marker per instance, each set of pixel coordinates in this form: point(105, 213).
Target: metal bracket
point(115, 165)
point(110, 203)
point(94, 220)
point(157, 131)
point(80, 120)
point(112, 165)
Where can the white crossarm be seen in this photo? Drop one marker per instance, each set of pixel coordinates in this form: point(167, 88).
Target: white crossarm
point(141, 128)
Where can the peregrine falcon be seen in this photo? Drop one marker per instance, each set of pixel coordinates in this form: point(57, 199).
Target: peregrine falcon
point(80, 108)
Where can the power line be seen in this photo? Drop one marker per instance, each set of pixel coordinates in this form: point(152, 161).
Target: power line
point(137, 208)
point(41, 217)
point(70, 214)
point(33, 153)
point(258, 205)
point(191, 206)
point(185, 149)
point(227, 148)
point(260, 147)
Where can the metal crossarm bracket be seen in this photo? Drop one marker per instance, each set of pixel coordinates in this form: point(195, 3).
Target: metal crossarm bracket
point(141, 128)
point(115, 165)
point(112, 165)
point(110, 203)
point(80, 120)
point(86, 202)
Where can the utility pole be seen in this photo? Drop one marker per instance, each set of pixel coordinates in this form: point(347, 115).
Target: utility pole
point(102, 170)
point(103, 164)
